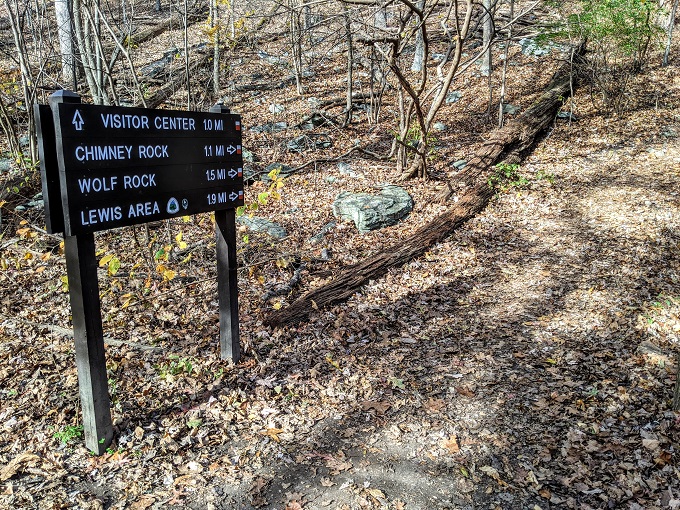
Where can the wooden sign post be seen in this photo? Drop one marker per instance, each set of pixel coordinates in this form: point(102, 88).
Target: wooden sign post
point(106, 167)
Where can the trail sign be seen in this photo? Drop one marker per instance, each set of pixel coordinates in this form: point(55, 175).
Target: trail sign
point(105, 167)
point(124, 166)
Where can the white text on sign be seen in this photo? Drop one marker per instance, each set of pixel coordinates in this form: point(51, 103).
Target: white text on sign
point(97, 184)
point(166, 123)
point(111, 152)
point(107, 214)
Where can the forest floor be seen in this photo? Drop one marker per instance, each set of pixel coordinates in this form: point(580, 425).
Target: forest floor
point(526, 362)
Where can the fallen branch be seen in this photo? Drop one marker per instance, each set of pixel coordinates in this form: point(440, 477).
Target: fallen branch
point(509, 143)
point(167, 90)
point(282, 290)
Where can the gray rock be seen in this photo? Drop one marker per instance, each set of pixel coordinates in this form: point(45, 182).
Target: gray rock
point(453, 97)
point(255, 224)
point(439, 126)
point(36, 204)
point(460, 164)
point(510, 109)
point(24, 141)
point(250, 173)
point(531, 47)
point(371, 212)
point(317, 238)
point(5, 165)
point(346, 169)
point(270, 59)
point(315, 120)
point(670, 132)
point(272, 127)
point(248, 156)
point(276, 108)
point(308, 142)
point(567, 116)
point(314, 102)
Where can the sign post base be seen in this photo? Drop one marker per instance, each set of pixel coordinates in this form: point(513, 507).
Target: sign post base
point(81, 266)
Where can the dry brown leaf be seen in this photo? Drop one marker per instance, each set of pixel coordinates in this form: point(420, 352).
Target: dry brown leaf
point(493, 473)
point(650, 444)
point(143, 503)
point(378, 407)
point(273, 433)
point(376, 493)
point(451, 444)
point(338, 464)
point(139, 433)
point(17, 464)
point(465, 391)
point(434, 405)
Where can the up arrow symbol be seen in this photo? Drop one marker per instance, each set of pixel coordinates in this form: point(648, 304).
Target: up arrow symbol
point(78, 121)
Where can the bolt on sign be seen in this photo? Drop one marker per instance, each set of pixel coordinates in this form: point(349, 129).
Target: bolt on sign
point(105, 167)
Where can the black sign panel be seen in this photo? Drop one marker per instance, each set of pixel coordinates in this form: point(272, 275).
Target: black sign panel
point(125, 166)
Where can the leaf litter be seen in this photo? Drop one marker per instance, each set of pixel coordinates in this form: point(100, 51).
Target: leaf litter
point(527, 362)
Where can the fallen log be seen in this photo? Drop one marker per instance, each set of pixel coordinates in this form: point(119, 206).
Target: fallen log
point(175, 83)
point(508, 144)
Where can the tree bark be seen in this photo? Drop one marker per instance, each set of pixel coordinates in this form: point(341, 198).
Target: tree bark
point(350, 67)
point(215, 26)
point(175, 84)
point(419, 53)
point(509, 144)
point(65, 35)
point(669, 32)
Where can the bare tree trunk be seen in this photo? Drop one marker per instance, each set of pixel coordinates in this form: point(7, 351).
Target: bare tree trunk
point(215, 25)
point(62, 11)
point(501, 101)
point(87, 34)
point(669, 32)
point(27, 80)
point(296, 43)
point(232, 19)
point(487, 35)
point(124, 51)
point(377, 85)
point(186, 52)
point(676, 390)
point(350, 66)
point(419, 53)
